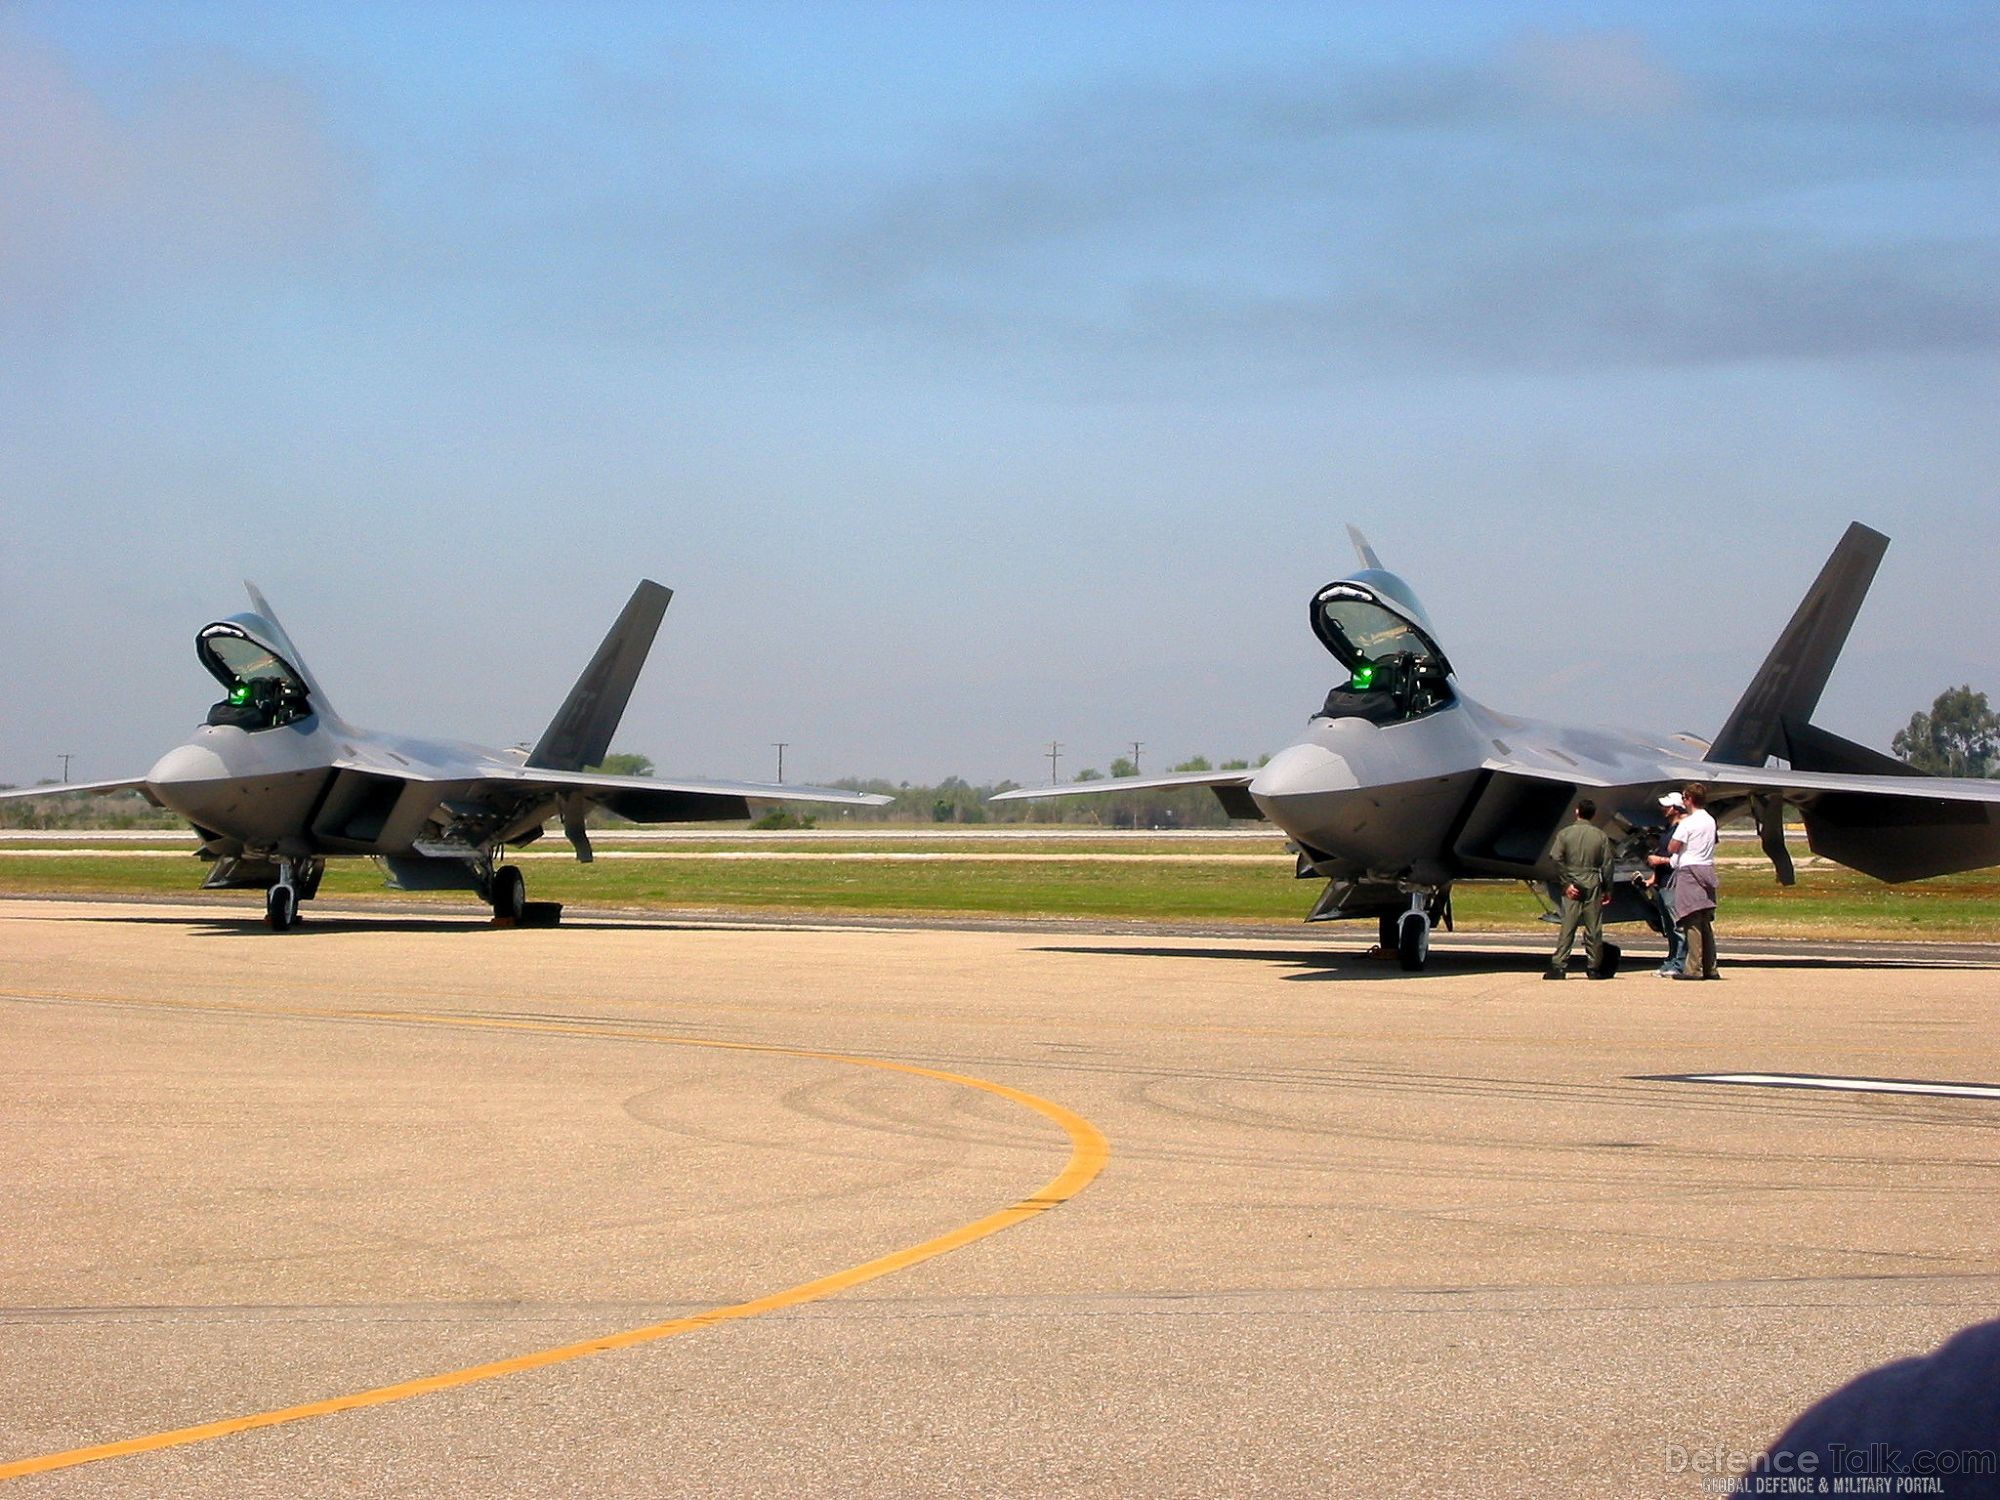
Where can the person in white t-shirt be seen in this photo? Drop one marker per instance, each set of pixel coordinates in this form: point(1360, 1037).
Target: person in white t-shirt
point(1691, 855)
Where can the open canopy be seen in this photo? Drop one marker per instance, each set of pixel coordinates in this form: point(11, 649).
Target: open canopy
point(264, 689)
point(1373, 617)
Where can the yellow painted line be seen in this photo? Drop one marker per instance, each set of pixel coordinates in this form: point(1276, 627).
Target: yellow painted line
point(1088, 1153)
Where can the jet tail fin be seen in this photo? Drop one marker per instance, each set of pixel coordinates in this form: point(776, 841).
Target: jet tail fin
point(285, 644)
point(1361, 548)
point(1786, 689)
point(580, 733)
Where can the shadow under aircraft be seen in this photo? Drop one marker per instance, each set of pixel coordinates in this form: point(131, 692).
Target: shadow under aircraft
point(1404, 785)
point(276, 783)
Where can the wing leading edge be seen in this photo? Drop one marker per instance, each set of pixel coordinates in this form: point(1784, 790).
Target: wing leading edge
point(66, 788)
point(1231, 788)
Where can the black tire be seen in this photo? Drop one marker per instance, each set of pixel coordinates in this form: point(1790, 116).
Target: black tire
point(1413, 941)
point(1385, 932)
point(281, 908)
point(510, 893)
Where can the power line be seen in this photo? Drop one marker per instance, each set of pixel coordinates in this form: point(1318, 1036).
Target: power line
point(779, 746)
point(1055, 754)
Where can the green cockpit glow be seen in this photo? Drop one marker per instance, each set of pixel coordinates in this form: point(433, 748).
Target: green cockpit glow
point(240, 693)
point(1364, 677)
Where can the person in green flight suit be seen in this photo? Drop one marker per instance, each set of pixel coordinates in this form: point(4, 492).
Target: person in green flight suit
point(1582, 853)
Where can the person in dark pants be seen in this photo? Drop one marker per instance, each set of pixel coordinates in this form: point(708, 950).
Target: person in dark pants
point(1672, 808)
point(1582, 853)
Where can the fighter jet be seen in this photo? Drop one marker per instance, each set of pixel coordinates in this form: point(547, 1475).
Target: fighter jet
point(1404, 785)
point(276, 782)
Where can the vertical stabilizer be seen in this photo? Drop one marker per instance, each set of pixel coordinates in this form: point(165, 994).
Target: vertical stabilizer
point(580, 734)
point(1361, 548)
point(283, 641)
point(1786, 688)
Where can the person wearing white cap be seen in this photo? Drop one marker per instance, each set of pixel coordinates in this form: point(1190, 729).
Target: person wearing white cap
point(1673, 809)
point(1691, 854)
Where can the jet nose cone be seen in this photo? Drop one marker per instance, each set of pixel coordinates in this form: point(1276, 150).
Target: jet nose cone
point(185, 763)
point(186, 779)
point(1303, 771)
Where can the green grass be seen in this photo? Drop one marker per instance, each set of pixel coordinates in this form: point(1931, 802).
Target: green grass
point(1826, 902)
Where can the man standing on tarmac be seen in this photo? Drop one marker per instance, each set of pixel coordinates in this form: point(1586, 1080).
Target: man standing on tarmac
point(1582, 854)
point(1691, 853)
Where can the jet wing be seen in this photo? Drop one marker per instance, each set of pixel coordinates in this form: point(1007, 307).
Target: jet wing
point(1891, 826)
point(1736, 783)
point(1231, 789)
point(1803, 787)
point(612, 790)
point(643, 799)
point(64, 788)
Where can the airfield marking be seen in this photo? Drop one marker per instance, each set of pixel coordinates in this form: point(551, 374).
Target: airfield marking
point(1846, 1085)
point(1089, 1151)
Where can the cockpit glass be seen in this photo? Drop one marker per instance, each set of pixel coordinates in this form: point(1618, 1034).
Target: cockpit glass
point(1370, 631)
point(247, 660)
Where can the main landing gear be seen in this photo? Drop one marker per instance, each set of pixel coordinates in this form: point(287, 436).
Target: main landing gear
point(509, 894)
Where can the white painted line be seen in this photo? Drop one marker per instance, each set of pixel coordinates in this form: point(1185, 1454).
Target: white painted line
point(1852, 1085)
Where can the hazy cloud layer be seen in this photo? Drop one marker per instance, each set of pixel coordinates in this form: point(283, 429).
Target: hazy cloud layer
point(1569, 198)
point(216, 164)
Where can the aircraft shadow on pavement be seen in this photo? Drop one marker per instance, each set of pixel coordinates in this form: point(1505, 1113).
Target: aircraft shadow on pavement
point(1355, 963)
point(249, 925)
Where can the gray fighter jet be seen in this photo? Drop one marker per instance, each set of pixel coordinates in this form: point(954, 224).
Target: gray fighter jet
point(1404, 785)
point(276, 782)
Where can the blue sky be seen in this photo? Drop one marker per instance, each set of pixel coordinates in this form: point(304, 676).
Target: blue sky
point(982, 375)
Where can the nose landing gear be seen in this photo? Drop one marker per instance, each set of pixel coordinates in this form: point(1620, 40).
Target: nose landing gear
point(298, 880)
point(1412, 930)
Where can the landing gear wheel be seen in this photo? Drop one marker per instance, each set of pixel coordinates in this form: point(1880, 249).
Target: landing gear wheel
point(1385, 932)
point(510, 893)
point(1413, 940)
point(281, 908)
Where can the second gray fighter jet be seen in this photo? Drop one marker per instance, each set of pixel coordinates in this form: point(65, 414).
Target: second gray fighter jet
point(1403, 784)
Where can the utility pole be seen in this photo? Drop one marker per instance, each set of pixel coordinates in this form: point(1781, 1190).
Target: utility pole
point(1136, 748)
point(1055, 754)
point(779, 746)
point(65, 759)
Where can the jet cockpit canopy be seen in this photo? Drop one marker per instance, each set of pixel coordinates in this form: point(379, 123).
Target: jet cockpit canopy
point(265, 691)
point(1374, 626)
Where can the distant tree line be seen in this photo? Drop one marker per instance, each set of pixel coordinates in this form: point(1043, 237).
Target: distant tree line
point(1960, 736)
point(114, 810)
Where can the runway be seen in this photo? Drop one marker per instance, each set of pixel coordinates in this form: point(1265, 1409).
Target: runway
point(1138, 1213)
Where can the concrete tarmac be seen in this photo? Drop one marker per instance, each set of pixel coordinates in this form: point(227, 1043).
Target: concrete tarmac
point(1456, 1233)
